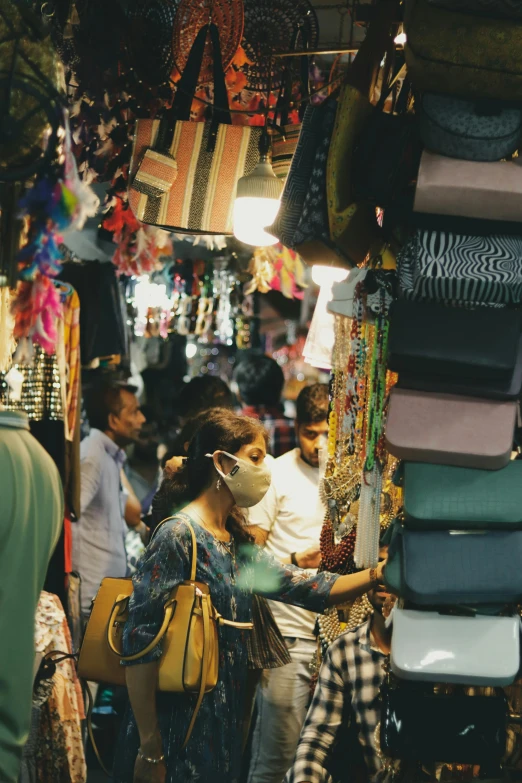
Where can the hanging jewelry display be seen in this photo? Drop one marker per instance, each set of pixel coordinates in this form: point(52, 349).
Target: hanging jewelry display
point(341, 483)
point(367, 544)
point(331, 627)
point(357, 461)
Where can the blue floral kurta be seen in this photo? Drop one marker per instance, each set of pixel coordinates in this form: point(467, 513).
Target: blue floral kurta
point(233, 572)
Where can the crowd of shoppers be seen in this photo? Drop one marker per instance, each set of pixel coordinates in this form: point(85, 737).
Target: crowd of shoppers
point(245, 476)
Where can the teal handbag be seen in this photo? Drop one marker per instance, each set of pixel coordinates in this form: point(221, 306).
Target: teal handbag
point(448, 568)
point(442, 497)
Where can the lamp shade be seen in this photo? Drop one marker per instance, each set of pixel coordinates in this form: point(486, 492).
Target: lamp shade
point(256, 205)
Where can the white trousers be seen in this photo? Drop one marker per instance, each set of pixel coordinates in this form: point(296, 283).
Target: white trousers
point(282, 702)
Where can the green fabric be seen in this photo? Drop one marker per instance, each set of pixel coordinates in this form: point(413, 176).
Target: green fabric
point(30, 523)
point(462, 54)
point(442, 497)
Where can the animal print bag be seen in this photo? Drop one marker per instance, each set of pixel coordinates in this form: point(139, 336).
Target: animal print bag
point(461, 269)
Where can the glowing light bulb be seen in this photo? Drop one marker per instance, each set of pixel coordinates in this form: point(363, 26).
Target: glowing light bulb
point(191, 350)
point(257, 201)
point(251, 216)
point(328, 275)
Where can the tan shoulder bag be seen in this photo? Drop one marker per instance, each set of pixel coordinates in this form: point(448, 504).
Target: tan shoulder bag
point(190, 652)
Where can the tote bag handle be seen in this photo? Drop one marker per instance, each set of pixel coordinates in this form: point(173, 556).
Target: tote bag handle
point(187, 86)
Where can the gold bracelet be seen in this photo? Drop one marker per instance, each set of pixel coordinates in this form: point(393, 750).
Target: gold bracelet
point(374, 579)
point(149, 760)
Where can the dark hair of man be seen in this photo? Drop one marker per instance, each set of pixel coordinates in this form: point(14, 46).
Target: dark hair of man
point(102, 400)
point(312, 404)
point(203, 393)
point(260, 380)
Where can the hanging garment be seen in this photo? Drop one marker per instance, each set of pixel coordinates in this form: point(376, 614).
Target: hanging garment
point(41, 396)
point(102, 329)
point(32, 513)
point(58, 748)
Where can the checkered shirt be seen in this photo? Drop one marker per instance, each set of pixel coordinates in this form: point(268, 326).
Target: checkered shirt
point(280, 429)
point(349, 683)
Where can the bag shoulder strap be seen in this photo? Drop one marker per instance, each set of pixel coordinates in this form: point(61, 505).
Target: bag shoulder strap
point(194, 557)
point(205, 608)
point(170, 605)
point(187, 86)
point(364, 69)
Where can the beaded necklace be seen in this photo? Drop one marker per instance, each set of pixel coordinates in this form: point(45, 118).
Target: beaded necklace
point(368, 527)
point(356, 454)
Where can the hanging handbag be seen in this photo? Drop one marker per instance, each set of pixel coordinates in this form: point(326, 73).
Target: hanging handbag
point(183, 174)
point(284, 145)
point(486, 389)
point(447, 567)
point(189, 635)
point(312, 235)
point(420, 724)
point(298, 181)
point(448, 429)
point(469, 189)
point(286, 136)
point(302, 221)
point(386, 156)
point(509, 9)
point(441, 497)
point(454, 649)
point(441, 265)
point(467, 129)
point(467, 55)
point(429, 338)
point(353, 225)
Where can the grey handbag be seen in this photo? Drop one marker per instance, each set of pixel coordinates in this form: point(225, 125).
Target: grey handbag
point(454, 567)
point(467, 129)
point(510, 9)
point(442, 497)
point(459, 268)
point(449, 429)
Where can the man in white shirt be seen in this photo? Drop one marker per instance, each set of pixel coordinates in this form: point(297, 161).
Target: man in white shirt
point(288, 521)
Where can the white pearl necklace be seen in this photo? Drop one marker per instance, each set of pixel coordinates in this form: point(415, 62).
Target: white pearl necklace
point(329, 626)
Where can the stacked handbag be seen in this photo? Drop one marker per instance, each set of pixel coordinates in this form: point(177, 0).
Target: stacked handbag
point(455, 341)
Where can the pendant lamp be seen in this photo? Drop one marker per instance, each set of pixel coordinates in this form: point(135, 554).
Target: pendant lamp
point(257, 200)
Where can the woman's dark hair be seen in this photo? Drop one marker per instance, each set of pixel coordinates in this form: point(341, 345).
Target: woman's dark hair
point(219, 430)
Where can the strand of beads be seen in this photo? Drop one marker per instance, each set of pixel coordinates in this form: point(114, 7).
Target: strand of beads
point(337, 558)
point(368, 526)
point(330, 627)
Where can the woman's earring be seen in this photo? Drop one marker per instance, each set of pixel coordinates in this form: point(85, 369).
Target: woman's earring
point(218, 484)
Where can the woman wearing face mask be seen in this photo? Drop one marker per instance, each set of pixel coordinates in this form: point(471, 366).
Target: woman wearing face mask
point(225, 470)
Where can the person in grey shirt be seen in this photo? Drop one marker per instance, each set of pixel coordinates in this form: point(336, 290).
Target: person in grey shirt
point(107, 508)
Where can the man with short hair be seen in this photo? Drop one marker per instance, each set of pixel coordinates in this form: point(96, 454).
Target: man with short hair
point(288, 522)
point(338, 743)
point(99, 537)
point(260, 382)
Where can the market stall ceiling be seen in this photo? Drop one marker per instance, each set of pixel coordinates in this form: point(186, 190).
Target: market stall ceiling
point(335, 25)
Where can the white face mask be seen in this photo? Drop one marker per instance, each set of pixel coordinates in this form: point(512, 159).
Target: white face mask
point(247, 482)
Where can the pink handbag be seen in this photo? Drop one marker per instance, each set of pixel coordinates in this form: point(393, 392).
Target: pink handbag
point(447, 429)
point(487, 191)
